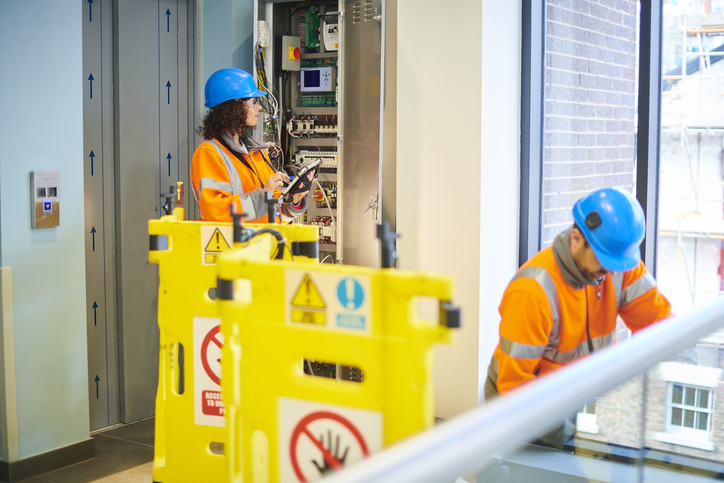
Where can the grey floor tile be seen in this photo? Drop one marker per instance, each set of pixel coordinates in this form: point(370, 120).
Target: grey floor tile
point(140, 432)
point(139, 474)
point(113, 454)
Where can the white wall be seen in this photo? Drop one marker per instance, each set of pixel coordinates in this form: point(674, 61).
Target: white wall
point(458, 127)
point(41, 128)
point(500, 173)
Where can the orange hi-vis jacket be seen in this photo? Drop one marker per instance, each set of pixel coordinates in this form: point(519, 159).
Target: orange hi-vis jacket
point(547, 323)
point(219, 178)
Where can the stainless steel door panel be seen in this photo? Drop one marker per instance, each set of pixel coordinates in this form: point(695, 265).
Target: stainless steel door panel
point(361, 45)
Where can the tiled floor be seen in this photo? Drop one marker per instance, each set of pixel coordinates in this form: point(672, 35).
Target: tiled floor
point(122, 455)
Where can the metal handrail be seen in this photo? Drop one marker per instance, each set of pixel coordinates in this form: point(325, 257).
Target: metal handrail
point(465, 442)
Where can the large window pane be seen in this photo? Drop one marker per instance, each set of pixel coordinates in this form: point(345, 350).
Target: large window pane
point(589, 104)
point(691, 210)
point(691, 219)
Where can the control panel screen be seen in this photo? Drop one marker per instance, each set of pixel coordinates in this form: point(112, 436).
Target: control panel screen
point(311, 78)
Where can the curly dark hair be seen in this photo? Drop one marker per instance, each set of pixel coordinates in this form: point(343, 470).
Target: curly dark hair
point(227, 117)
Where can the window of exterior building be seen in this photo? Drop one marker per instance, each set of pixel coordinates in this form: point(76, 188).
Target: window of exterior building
point(690, 265)
point(689, 405)
point(586, 419)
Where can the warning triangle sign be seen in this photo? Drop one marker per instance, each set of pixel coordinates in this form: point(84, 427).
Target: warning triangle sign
point(217, 243)
point(308, 295)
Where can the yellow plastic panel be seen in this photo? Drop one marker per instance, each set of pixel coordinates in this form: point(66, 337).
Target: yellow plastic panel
point(353, 316)
point(190, 414)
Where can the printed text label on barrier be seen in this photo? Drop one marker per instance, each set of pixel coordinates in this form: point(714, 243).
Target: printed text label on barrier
point(317, 438)
point(334, 301)
point(208, 341)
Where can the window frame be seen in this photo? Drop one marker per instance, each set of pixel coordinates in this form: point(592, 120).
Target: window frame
point(688, 376)
point(671, 405)
point(532, 126)
point(648, 136)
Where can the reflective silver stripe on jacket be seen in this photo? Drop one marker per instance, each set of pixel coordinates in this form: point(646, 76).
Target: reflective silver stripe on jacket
point(580, 350)
point(637, 289)
point(617, 279)
point(521, 351)
point(211, 183)
point(234, 186)
point(544, 279)
point(234, 178)
point(550, 351)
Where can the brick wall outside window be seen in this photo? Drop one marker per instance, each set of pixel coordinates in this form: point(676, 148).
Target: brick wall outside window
point(590, 103)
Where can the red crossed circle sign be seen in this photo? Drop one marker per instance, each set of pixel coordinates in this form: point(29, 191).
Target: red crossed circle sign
point(302, 427)
point(210, 337)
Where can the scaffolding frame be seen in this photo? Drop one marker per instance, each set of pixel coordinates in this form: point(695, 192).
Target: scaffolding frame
point(693, 27)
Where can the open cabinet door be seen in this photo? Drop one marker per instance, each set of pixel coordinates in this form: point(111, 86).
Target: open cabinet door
point(360, 91)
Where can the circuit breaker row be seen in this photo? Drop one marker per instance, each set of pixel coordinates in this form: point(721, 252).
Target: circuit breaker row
point(305, 157)
point(310, 126)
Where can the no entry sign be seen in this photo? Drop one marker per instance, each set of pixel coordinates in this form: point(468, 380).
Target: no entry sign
point(208, 341)
point(317, 438)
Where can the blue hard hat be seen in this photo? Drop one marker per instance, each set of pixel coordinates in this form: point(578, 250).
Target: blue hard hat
point(613, 223)
point(227, 84)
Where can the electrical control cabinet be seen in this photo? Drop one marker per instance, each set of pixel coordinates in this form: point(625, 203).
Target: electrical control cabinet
point(304, 83)
point(332, 107)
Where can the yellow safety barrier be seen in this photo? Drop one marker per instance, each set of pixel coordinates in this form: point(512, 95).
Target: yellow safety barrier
point(190, 416)
point(285, 424)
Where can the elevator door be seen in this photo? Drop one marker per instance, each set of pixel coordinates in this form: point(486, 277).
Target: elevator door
point(136, 145)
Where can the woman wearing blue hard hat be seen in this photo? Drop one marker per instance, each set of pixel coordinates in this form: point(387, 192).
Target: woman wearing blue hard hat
point(230, 167)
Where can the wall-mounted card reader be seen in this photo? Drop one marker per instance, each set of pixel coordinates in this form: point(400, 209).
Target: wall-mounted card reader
point(45, 199)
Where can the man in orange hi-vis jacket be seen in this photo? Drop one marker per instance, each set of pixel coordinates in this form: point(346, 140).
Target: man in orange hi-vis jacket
point(230, 167)
point(562, 304)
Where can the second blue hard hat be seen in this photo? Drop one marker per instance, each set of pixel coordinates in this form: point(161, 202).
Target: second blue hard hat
point(226, 84)
point(613, 223)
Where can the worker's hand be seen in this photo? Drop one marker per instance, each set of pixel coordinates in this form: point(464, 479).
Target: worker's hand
point(298, 196)
point(276, 181)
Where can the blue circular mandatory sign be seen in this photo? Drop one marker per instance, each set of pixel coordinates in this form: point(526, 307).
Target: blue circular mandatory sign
point(350, 293)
